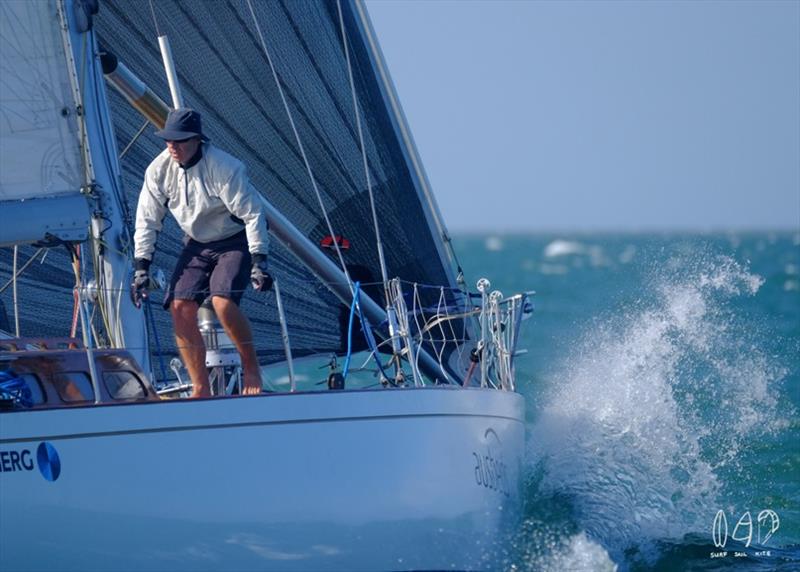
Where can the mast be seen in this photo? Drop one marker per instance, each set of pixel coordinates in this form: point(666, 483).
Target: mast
point(109, 238)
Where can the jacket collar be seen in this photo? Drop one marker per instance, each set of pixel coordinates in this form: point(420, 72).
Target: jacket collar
point(195, 159)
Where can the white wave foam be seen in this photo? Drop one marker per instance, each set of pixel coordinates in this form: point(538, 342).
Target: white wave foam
point(579, 554)
point(626, 256)
point(494, 244)
point(546, 548)
point(653, 405)
point(561, 247)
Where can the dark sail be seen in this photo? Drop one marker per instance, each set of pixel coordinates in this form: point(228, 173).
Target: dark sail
point(224, 73)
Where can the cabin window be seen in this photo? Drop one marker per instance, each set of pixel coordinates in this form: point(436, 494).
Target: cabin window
point(73, 386)
point(124, 385)
point(35, 386)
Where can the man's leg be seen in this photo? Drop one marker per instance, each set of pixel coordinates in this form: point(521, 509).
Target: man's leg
point(190, 343)
point(237, 326)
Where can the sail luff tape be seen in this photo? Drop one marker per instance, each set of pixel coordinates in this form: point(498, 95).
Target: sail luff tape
point(135, 91)
point(169, 68)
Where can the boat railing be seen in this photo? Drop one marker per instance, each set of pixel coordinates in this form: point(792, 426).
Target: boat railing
point(444, 326)
point(471, 337)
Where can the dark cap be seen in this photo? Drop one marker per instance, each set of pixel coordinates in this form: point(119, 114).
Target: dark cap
point(182, 123)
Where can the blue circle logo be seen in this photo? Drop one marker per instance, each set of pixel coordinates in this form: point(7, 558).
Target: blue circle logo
point(49, 463)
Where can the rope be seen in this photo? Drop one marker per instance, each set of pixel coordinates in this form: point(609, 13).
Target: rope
point(373, 347)
point(73, 330)
point(300, 144)
point(353, 306)
point(403, 329)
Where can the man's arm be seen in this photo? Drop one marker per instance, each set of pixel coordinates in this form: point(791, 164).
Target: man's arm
point(150, 214)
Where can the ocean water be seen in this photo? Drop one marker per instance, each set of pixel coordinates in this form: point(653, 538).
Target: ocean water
point(663, 390)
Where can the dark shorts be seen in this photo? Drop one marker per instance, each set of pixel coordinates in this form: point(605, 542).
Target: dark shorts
point(219, 268)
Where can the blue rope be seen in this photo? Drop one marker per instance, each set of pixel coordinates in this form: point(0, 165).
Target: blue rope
point(15, 389)
point(373, 347)
point(353, 307)
point(149, 313)
point(365, 327)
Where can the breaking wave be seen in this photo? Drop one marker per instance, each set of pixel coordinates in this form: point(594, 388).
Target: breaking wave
point(643, 428)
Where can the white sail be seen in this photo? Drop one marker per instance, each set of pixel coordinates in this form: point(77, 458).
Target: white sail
point(39, 143)
point(53, 121)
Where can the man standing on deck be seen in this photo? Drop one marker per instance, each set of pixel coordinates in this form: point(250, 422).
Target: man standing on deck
point(211, 198)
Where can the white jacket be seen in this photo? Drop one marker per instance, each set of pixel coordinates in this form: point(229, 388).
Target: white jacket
point(211, 200)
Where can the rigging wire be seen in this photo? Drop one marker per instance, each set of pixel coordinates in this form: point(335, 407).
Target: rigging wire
point(155, 20)
point(139, 133)
point(381, 258)
point(16, 301)
point(300, 144)
point(19, 272)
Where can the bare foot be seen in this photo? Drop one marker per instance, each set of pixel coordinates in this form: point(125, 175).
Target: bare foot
point(200, 390)
point(252, 386)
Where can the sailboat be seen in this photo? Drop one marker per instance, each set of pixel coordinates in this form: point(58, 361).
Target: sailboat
point(407, 458)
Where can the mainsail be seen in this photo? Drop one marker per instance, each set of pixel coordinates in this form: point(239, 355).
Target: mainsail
point(40, 152)
point(59, 180)
point(39, 145)
point(225, 73)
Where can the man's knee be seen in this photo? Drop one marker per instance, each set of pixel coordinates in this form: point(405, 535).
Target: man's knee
point(184, 311)
point(223, 304)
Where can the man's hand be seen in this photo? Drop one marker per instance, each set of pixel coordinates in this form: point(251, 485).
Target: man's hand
point(140, 286)
point(259, 277)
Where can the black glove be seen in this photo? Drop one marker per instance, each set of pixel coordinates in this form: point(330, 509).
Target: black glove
point(259, 277)
point(141, 281)
point(140, 286)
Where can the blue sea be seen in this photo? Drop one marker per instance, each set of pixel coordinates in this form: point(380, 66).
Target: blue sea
point(663, 388)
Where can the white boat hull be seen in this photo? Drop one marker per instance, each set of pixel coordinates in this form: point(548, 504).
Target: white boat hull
point(399, 479)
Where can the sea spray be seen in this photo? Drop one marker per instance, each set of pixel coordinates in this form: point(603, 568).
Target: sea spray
point(646, 421)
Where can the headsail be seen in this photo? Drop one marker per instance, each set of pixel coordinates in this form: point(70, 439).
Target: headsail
point(224, 73)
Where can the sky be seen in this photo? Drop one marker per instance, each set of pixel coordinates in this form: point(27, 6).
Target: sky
point(602, 116)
